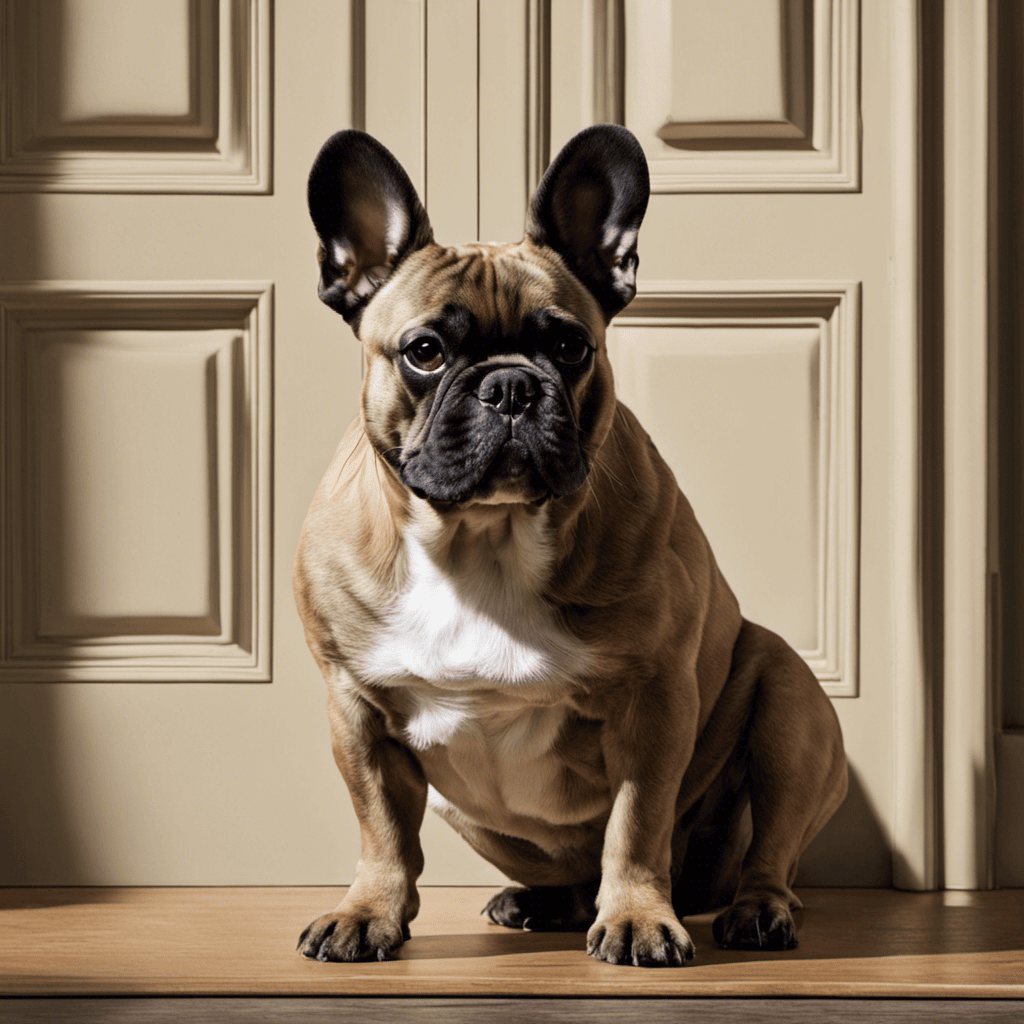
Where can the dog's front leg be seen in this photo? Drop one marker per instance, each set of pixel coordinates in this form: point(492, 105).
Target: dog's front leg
point(646, 751)
point(389, 794)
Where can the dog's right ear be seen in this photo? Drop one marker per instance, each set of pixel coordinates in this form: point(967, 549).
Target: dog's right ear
point(368, 217)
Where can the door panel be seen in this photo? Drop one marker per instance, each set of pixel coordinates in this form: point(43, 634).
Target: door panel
point(121, 97)
point(769, 189)
point(735, 96)
point(138, 482)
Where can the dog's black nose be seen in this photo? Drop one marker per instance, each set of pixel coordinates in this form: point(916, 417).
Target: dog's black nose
point(510, 390)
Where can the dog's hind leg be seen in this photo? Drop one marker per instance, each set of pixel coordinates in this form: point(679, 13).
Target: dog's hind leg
point(796, 778)
point(558, 892)
point(711, 848)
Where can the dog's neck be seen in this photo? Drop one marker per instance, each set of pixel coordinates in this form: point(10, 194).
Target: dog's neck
point(501, 545)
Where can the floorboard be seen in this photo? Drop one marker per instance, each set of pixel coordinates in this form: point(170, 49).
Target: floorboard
point(382, 1010)
point(165, 954)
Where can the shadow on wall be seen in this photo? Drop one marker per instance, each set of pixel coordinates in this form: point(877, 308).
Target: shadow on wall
point(39, 843)
point(852, 848)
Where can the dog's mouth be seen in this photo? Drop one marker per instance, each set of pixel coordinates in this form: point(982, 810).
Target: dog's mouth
point(512, 477)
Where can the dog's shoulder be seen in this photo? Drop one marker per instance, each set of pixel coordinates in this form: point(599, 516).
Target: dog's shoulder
point(349, 551)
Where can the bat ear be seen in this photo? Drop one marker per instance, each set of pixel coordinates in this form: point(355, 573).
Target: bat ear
point(368, 217)
point(588, 208)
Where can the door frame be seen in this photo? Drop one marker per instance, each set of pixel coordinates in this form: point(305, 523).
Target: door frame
point(944, 443)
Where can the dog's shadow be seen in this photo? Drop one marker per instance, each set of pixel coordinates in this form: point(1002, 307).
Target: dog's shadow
point(510, 942)
point(836, 929)
point(499, 942)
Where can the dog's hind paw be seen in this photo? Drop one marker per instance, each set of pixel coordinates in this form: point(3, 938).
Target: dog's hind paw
point(535, 908)
point(755, 922)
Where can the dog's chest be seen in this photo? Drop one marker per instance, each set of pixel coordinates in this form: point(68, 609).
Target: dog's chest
point(476, 624)
point(483, 668)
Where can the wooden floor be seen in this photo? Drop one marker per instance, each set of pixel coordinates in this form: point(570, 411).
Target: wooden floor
point(861, 949)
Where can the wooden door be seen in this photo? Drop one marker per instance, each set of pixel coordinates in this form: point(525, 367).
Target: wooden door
point(173, 388)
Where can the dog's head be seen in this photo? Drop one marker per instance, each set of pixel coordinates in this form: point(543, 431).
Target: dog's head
point(487, 377)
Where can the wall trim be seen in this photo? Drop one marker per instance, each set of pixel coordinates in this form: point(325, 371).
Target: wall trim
point(915, 861)
point(968, 741)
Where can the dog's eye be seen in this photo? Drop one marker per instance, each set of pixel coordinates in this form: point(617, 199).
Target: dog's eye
point(572, 351)
point(424, 353)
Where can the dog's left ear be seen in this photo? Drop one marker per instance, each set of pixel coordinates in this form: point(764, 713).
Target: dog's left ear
point(588, 208)
point(368, 217)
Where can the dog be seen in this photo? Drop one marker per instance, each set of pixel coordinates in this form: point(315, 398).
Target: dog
point(517, 616)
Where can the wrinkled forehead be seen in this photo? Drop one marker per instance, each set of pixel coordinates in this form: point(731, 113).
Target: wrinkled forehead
point(501, 289)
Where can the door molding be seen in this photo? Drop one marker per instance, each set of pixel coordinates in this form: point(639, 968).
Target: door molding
point(914, 828)
point(968, 744)
point(944, 445)
point(831, 309)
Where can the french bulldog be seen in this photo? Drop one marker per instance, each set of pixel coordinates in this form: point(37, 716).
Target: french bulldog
point(517, 616)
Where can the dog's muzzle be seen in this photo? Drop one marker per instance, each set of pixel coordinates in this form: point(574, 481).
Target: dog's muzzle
point(502, 432)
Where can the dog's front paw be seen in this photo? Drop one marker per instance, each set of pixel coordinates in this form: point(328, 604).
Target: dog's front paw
point(755, 922)
point(655, 940)
point(351, 937)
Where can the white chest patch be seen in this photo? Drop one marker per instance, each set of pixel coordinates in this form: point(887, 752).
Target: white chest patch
point(436, 719)
point(475, 622)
